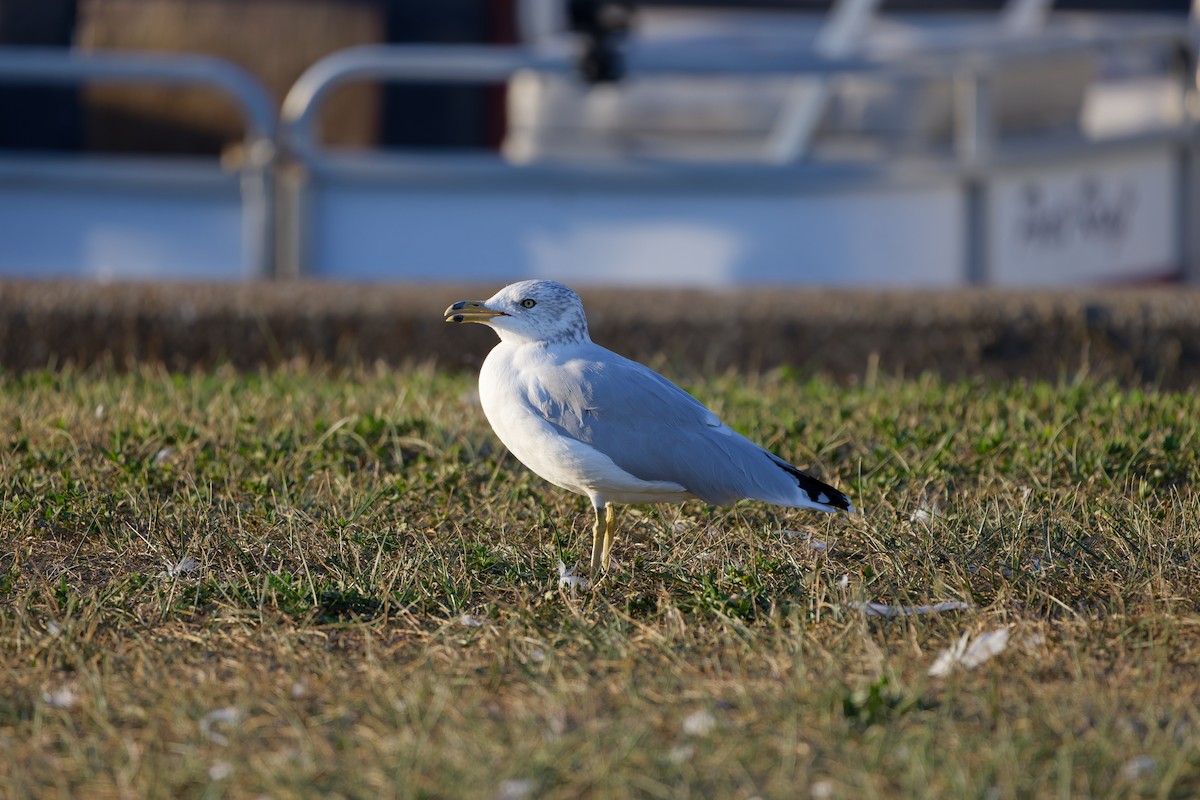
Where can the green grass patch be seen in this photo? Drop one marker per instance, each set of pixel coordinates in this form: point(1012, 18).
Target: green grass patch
point(302, 583)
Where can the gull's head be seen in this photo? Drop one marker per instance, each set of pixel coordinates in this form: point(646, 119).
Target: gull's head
point(529, 311)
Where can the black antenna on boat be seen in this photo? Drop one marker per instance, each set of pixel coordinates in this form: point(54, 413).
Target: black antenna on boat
point(602, 25)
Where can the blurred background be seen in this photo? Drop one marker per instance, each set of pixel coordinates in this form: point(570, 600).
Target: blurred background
point(702, 143)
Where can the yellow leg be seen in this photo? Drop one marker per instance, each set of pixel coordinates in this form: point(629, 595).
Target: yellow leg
point(597, 542)
point(610, 528)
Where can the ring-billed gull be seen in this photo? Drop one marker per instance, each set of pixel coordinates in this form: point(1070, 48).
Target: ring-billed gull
point(596, 423)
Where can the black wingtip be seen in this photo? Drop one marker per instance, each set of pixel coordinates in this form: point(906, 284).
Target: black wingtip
point(817, 492)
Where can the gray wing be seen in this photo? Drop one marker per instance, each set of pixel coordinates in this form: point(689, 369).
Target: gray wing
point(654, 430)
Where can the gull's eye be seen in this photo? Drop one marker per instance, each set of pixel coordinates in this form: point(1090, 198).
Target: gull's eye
point(528, 302)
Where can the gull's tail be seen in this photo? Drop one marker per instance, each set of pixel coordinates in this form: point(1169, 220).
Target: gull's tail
point(821, 496)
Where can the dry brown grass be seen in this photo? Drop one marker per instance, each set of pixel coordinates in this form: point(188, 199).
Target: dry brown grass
point(375, 607)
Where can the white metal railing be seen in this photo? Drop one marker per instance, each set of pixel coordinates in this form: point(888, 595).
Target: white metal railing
point(977, 153)
point(70, 173)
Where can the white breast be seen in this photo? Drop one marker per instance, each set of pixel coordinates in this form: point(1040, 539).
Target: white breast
point(557, 458)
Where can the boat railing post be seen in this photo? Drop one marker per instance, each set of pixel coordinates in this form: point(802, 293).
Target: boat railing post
point(1189, 160)
point(974, 140)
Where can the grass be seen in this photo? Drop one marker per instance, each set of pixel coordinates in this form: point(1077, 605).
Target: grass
point(374, 606)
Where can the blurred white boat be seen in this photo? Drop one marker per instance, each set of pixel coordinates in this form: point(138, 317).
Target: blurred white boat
point(1030, 148)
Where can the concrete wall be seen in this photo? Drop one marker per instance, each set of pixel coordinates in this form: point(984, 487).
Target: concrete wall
point(1134, 335)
